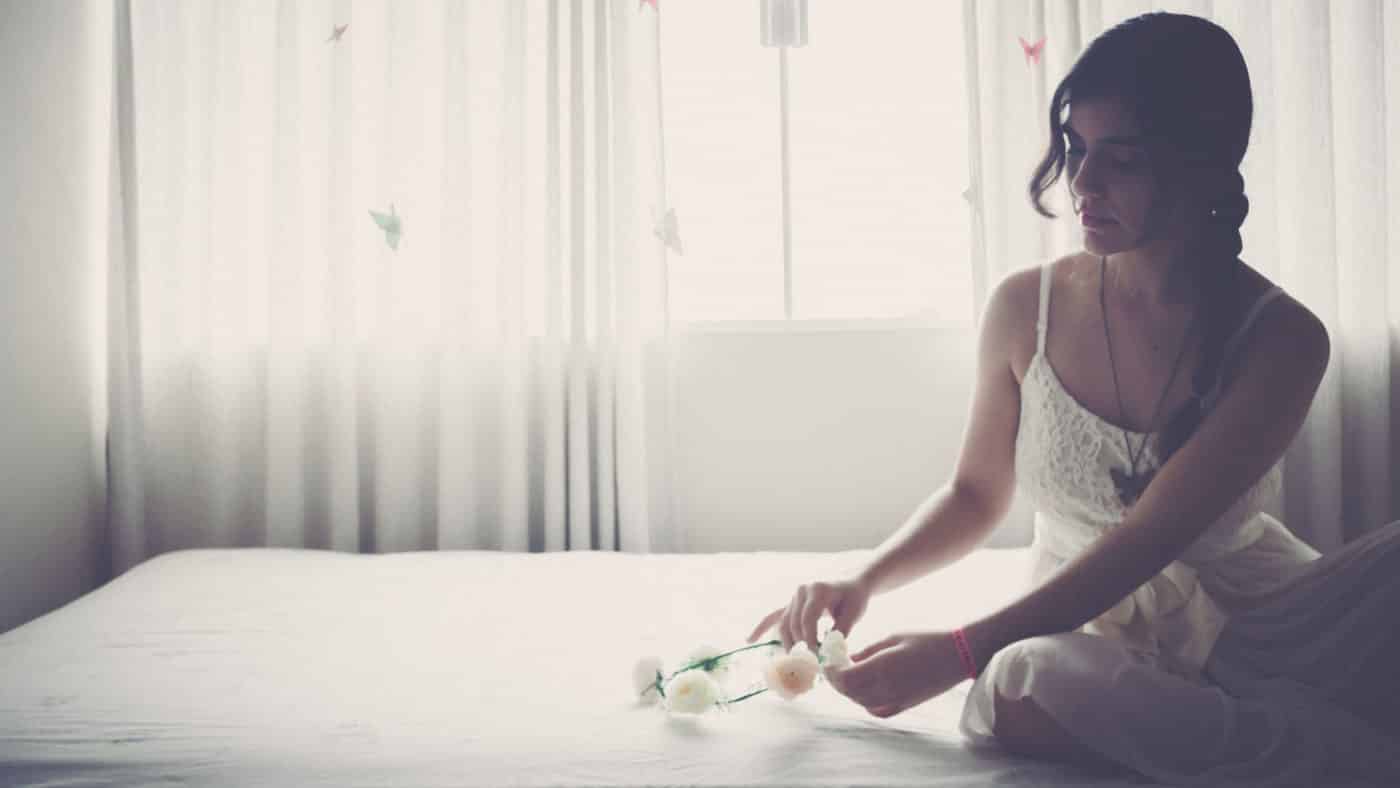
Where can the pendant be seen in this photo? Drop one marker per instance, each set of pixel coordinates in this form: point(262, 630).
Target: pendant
point(1129, 486)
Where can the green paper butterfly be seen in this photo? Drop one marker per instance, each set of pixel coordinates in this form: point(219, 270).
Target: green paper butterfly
point(391, 225)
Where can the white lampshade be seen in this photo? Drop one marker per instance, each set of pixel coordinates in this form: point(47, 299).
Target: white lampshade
point(783, 23)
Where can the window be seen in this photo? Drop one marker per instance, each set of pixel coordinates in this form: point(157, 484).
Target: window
point(878, 163)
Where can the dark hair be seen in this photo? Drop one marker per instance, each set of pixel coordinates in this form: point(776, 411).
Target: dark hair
point(1184, 80)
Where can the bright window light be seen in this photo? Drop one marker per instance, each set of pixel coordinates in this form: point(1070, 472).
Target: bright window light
point(878, 146)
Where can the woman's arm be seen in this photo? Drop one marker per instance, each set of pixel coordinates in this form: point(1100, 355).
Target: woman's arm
point(1245, 434)
point(961, 513)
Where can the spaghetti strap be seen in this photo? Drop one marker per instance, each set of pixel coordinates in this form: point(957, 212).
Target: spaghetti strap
point(1262, 302)
point(1233, 342)
point(1041, 324)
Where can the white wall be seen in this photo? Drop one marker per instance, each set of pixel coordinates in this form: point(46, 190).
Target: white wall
point(52, 177)
point(813, 439)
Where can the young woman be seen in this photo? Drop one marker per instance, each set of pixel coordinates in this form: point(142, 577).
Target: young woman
point(1142, 392)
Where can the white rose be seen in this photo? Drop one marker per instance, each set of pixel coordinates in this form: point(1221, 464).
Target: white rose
point(802, 650)
point(792, 674)
point(644, 678)
point(692, 692)
point(834, 653)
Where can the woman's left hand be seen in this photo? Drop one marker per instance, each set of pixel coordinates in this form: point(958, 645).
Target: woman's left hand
point(900, 672)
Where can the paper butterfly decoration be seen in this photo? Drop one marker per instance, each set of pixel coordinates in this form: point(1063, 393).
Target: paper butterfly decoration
point(337, 32)
point(1032, 50)
point(667, 230)
point(651, 3)
point(391, 225)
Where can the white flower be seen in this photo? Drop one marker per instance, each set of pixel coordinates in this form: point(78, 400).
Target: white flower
point(834, 653)
point(692, 692)
point(792, 674)
point(644, 677)
point(721, 672)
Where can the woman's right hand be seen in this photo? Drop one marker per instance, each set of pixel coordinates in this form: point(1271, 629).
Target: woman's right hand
point(845, 599)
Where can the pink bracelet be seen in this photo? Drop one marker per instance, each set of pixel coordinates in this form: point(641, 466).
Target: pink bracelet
point(960, 638)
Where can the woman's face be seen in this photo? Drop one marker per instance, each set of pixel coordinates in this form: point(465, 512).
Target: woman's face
point(1109, 167)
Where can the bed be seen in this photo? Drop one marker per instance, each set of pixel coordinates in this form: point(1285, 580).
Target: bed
point(284, 667)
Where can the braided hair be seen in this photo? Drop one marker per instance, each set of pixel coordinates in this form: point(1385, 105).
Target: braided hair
point(1184, 80)
point(1218, 247)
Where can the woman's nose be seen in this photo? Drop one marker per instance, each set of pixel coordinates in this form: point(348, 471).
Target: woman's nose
point(1086, 181)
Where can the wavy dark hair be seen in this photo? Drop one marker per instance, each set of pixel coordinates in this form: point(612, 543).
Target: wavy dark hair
point(1185, 82)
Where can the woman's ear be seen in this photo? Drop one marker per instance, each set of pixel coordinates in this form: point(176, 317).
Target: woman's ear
point(1169, 215)
point(1210, 183)
point(1189, 188)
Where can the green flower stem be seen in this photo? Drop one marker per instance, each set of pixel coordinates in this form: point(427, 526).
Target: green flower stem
point(742, 697)
point(710, 662)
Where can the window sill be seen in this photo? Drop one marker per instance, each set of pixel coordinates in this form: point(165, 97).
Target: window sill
point(822, 326)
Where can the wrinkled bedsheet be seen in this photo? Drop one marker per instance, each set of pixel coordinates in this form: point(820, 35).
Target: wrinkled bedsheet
point(283, 667)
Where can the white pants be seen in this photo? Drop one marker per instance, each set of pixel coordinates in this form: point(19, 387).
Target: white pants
point(1298, 691)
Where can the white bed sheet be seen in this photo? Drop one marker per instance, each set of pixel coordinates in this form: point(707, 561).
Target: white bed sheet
point(280, 667)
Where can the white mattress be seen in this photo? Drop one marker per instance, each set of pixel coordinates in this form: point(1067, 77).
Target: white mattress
point(275, 667)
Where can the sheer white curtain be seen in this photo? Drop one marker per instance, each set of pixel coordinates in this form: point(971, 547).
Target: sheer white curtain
point(1323, 179)
point(286, 372)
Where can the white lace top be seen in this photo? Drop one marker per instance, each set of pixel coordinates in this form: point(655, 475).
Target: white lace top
point(1063, 456)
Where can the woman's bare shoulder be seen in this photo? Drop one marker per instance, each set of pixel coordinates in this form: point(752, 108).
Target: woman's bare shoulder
point(1015, 304)
point(1253, 283)
point(1018, 292)
point(1286, 327)
point(1256, 285)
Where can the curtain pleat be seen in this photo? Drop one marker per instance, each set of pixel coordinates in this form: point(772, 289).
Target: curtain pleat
point(1357, 89)
point(284, 376)
point(127, 432)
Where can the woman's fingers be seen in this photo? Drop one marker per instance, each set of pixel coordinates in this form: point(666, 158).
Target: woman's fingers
point(874, 647)
point(807, 617)
point(788, 629)
point(766, 623)
point(798, 621)
point(860, 684)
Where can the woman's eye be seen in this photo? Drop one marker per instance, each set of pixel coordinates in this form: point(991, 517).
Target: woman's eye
point(1122, 164)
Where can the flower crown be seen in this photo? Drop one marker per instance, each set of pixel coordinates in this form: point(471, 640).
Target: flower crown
point(701, 684)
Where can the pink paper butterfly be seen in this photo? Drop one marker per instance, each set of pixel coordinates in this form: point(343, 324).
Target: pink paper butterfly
point(651, 3)
point(1032, 50)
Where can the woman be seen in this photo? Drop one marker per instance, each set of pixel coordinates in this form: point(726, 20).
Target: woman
point(1142, 392)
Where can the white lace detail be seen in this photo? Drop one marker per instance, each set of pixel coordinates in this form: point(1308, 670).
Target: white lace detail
point(1064, 452)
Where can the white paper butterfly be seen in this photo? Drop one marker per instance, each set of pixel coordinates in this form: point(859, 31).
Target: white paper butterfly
point(391, 225)
point(337, 31)
point(666, 228)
